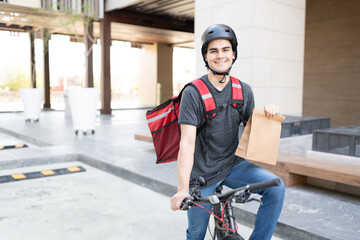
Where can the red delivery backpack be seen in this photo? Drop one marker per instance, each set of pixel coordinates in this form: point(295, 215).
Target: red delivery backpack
point(163, 119)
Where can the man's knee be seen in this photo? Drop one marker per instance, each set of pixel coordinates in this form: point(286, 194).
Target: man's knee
point(277, 193)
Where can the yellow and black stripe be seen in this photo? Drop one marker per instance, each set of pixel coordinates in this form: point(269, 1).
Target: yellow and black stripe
point(44, 173)
point(13, 146)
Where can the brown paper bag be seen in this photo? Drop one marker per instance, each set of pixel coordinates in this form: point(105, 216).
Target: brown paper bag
point(261, 137)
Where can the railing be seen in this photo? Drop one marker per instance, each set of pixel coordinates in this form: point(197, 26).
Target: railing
point(88, 8)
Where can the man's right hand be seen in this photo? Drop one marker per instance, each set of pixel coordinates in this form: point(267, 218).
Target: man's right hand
point(176, 200)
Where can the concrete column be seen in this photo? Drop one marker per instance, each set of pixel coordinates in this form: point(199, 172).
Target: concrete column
point(164, 71)
point(46, 38)
point(105, 39)
point(155, 78)
point(148, 75)
point(32, 58)
point(88, 37)
point(271, 46)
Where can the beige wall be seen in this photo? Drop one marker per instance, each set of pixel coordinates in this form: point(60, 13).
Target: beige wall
point(155, 70)
point(148, 75)
point(271, 46)
point(332, 61)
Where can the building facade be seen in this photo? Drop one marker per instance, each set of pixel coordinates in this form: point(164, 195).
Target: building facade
point(303, 55)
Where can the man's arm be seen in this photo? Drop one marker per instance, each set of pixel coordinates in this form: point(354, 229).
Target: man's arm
point(184, 165)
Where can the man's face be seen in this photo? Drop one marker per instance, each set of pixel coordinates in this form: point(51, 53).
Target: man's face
point(220, 55)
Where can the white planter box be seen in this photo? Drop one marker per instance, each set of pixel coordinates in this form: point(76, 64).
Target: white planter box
point(67, 110)
point(82, 103)
point(32, 100)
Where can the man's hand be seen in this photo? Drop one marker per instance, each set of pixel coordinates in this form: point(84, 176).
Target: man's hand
point(176, 200)
point(271, 110)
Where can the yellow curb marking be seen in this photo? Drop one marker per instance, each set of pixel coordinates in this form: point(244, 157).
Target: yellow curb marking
point(73, 169)
point(18, 176)
point(47, 172)
point(19, 146)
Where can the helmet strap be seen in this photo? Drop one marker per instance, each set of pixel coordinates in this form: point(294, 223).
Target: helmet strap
point(223, 73)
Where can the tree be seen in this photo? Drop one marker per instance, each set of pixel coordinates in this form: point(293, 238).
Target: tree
point(15, 78)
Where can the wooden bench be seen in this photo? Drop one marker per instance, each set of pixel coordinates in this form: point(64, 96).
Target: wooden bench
point(295, 169)
point(146, 137)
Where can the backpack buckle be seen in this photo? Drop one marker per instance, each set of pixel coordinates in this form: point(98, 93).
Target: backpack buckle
point(222, 106)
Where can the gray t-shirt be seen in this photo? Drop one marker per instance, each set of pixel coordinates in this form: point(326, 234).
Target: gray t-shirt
point(216, 144)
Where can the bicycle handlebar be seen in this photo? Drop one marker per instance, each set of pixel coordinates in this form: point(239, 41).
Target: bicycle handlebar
point(187, 202)
point(266, 184)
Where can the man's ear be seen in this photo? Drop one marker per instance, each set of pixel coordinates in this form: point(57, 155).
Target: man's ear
point(205, 57)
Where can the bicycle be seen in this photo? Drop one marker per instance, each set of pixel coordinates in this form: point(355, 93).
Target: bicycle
point(222, 209)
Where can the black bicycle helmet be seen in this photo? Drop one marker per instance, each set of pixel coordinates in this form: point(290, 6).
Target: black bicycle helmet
point(218, 31)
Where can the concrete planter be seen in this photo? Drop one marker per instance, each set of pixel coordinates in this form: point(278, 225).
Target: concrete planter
point(82, 103)
point(67, 110)
point(32, 99)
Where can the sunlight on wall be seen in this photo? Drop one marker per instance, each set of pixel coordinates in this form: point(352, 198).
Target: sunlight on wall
point(183, 67)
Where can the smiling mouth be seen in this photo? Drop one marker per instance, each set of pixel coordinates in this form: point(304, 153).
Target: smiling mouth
point(221, 62)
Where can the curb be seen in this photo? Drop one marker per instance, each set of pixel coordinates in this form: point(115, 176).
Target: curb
point(244, 217)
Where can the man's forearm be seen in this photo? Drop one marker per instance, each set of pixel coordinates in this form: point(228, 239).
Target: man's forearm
point(185, 164)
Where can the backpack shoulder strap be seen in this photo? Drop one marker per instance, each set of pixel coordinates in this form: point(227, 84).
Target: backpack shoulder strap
point(206, 95)
point(237, 93)
point(210, 109)
point(237, 96)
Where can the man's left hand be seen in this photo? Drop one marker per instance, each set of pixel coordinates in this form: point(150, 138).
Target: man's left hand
point(271, 110)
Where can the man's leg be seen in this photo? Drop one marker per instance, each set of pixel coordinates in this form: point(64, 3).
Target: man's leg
point(198, 218)
point(272, 198)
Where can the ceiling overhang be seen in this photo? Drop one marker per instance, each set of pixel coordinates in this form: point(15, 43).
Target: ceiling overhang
point(143, 22)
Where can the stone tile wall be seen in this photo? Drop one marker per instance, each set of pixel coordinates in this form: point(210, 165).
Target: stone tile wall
point(271, 46)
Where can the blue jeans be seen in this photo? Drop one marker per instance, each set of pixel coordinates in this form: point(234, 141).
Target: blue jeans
point(241, 175)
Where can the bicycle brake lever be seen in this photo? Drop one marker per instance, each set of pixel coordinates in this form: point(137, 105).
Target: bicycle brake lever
point(241, 196)
point(186, 203)
point(254, 199)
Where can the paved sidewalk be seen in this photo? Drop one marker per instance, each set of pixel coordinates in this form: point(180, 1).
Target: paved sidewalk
point(89, 205)
point(308, 213)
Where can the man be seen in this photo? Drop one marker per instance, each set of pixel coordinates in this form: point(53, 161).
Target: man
point(211, 154)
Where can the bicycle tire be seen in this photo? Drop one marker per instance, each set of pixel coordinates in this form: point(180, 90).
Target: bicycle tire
point(232, 237)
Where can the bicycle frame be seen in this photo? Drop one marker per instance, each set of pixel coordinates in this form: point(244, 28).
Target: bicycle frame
point(225, 211)
point(222, 209)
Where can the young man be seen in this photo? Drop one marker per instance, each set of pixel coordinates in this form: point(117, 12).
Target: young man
point(211, 154)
